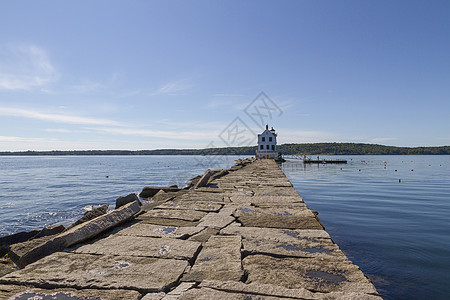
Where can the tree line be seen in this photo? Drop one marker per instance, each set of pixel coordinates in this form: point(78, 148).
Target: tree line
point(289, 149)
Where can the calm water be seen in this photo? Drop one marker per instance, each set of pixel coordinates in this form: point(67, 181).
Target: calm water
point(397, 232)
point(40, 191)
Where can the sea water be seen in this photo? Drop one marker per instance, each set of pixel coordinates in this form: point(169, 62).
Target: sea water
point(38, 191)
point(389, 214)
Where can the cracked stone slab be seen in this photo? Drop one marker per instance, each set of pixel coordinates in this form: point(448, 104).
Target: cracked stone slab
point(219, 259)
point(279, 291)
point(165, 222)
point(266, 199)
point(17, 292)
point(278, 217)
point(154, 296)
point(77, 234)
point(152, 230)
point(204, 235)
point(85, 271)
point(141, 246)
point(207, 206)
point(186, 215)
point(201, 196)
point(216, 220)
point(208, 294)
point(321, 275)
point(299, 243)
point(276, 191)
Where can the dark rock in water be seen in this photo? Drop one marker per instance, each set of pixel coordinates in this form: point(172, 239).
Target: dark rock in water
point(121, 201)
point(150, 191)
point(21, 237)
point(92, 214)
point(33, 250)
point(48, 231)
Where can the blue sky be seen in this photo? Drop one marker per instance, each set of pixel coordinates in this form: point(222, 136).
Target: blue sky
point(188, 74)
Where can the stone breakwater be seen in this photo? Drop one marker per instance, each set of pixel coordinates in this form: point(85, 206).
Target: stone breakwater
point(242, 233)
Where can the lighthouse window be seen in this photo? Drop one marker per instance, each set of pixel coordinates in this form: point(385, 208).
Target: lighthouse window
point(273, 147)
point(267, 147)
point(270, 138)
point(262, 147)
point(263, 139)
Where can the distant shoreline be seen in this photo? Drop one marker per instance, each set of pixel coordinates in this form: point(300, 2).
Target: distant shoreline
point(288, 149)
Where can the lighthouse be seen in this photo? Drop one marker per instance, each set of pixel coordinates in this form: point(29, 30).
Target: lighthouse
point(267, 144)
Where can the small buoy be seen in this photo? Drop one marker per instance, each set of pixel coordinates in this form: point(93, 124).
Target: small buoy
point(399, 180)
point(107, 176)
point(395, 170)
point(412, 170)
point(360, 170)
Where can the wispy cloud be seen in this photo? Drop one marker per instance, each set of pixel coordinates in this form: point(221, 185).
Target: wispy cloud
point(176, 135)
point(173, 88)
point(24, 139)
point(25, 67)
point(227, 95)
point(60, 118)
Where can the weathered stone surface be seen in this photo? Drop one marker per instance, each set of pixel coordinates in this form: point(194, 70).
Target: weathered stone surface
point(279, 291)
point(220, 259)
point(208, 294)
point(6, 267)
point(257, 288)
point(166, 222)
point(30, 251)
point(121, 201)
point(288, 218)
point(216, 220)
point(21, 237)
point(183, 287)
point(204, 235)
point(92, 214)
point(150, 191)
point(152, 230)
point(276, 191)
point(186, 215)
point(276, 234)
point(203, 180)
point(154, 296)
point(266, 199)
point(17, 292)
point(83, 271)
point(201, 196)
point(141, 246)
point(206, 206)
point(23, 256)
point(298, 243)
point(100, 224)
point(48, 231)
point(324, 275)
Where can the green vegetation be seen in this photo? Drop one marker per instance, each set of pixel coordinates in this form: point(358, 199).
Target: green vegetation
point(299, 149)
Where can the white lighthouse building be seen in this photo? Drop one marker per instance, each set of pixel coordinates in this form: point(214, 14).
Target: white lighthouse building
point(267, 144)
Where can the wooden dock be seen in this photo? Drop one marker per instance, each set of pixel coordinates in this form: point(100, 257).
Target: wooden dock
point(250, 236)
point(324, 161)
